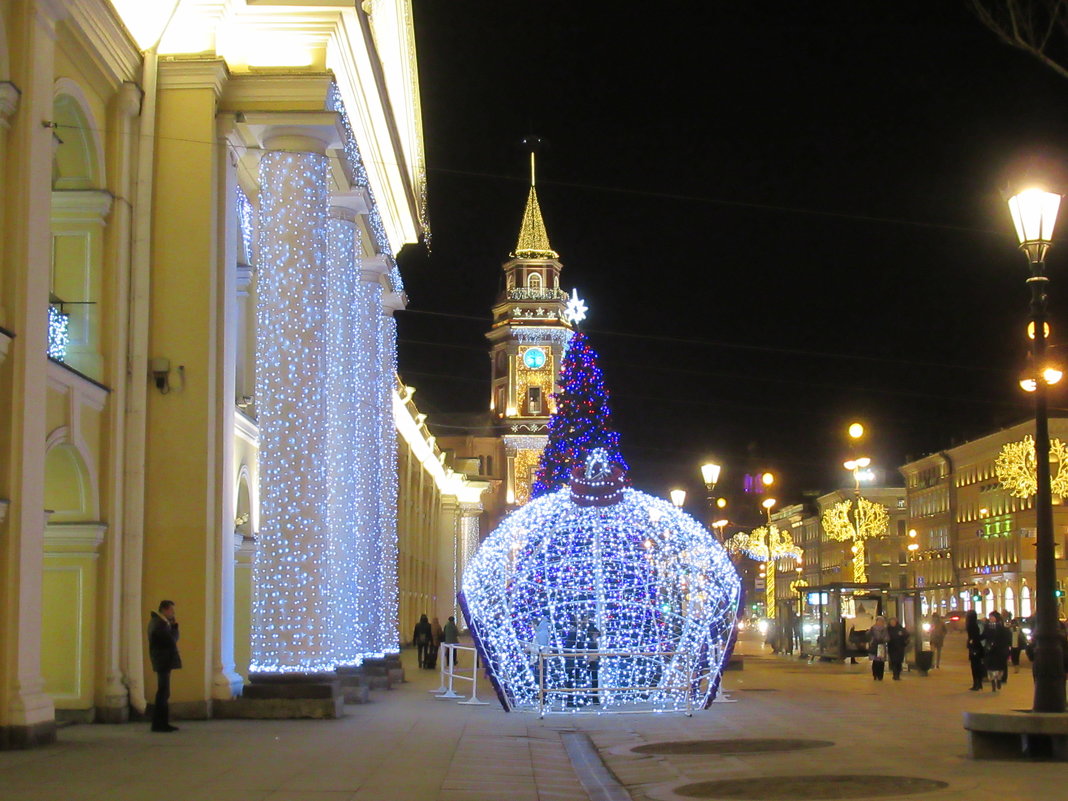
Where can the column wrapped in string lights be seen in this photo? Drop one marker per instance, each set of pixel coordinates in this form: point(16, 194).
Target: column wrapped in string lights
point(293, 630)
point(387, 341)
point(346, 532)
point(365, 361)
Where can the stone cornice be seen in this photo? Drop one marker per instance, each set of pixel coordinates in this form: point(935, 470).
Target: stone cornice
point(306, 91)
point(105, 40)
point(63, 378)
point(81, 539)
point(193, 73)
point(246, 428)
point(82, 205)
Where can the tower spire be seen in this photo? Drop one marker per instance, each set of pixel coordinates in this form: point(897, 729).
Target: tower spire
point(533, 238)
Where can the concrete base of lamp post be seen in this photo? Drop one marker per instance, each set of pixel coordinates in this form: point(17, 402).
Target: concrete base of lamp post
point(1017, 734)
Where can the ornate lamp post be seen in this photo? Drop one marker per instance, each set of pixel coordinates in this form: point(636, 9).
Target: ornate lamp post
point(767, 544)
point(678, 497)
point(1034, 213)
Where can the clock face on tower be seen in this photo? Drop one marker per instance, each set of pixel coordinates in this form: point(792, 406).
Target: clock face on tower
point(534, 358)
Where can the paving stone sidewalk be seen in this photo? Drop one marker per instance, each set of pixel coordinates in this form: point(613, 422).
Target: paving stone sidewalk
point(409, 746)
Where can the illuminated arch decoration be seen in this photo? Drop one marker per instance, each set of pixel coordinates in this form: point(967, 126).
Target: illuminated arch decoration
point(653, 581)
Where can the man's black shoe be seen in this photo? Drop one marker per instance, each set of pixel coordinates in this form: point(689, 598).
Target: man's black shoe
point(164, 728)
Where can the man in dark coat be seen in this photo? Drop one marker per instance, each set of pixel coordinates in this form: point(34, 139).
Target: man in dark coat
point(163, 651)
point(423, 638)
point(897, 640)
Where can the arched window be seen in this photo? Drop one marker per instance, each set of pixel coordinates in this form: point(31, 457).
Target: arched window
point(534, 281)
point(1025, 601)
point(80, 206)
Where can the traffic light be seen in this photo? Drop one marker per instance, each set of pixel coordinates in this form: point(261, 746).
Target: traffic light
point(977, 597)
point(1058, 593)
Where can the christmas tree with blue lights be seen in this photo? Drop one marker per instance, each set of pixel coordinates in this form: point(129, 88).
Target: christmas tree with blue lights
point(581, 420)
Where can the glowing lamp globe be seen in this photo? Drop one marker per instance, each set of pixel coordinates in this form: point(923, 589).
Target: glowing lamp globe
point(604, 597)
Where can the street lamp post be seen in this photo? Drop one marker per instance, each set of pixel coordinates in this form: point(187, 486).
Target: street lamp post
point(1034, 213)
point(710, 475)
point(678, 497)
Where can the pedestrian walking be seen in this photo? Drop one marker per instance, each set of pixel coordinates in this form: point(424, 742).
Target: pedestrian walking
point(878, 639)
point(997, 640)
point(975, 649)
point(423, 638)
point(451, 636)
point(938, 638)
point(163, 653)
point(437, 633)
point(897, 640)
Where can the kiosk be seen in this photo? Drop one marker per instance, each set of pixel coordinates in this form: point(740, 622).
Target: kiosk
point(835, 618)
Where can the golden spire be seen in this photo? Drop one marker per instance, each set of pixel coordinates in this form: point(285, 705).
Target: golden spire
point(533, 238)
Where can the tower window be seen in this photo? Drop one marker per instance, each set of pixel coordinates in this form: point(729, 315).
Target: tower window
point(534, 281)
point(534, 400)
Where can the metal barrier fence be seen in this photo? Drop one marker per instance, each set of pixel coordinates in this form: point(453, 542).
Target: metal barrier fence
point(573, 657)
point(447, 654)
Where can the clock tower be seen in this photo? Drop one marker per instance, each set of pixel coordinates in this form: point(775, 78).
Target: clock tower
point(530, 330)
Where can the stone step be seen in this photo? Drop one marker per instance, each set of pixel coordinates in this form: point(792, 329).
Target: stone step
point(356, 694)
point(310, 690)
point(279, 708)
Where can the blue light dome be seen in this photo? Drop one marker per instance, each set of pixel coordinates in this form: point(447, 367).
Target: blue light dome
point(599, 585)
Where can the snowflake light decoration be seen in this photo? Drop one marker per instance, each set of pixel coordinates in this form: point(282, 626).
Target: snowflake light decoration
point(576, 309)
point(1016, 468)
point(861, 522)
point(655, 585)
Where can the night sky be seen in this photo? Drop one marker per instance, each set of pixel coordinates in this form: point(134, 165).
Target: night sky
point(784, 216)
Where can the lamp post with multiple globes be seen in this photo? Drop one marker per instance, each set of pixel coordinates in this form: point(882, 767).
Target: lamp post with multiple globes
point(1034, 214)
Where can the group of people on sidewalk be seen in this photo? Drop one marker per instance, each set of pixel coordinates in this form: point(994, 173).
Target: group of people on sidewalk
point(886, 643)
point(428, 637)
point(989, 649)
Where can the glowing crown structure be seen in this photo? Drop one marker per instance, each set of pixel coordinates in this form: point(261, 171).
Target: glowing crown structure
point(599, 585)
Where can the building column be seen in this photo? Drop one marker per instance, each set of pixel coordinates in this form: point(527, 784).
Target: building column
point(226, 683)
point(27, 715)
point(346, 460)
point(9, 101)
point(293, 627)
point(387, 371)
point(126, 107)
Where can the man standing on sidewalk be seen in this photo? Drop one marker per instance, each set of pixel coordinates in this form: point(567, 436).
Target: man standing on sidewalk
point(163, 651)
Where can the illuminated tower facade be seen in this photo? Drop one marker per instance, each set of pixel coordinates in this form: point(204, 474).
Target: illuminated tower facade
point(530, 330)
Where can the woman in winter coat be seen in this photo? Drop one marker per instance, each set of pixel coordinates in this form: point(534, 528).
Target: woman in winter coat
point(878, 639)
point(997, 640)
point(975, 649)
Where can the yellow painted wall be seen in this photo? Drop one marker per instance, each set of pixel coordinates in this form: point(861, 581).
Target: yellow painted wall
point(179, 541)
point(68, 629)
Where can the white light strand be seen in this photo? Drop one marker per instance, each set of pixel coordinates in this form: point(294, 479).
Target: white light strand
point(342, 277)
point(355, 159)
point(58, 333)
point(648, 576)
point(367, 466)
point(388, 373)
point(294, 588)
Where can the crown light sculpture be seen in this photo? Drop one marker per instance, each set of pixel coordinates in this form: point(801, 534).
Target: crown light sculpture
point(654, 584)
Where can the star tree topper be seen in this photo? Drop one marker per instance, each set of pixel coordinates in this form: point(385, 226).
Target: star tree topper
point(576, 309)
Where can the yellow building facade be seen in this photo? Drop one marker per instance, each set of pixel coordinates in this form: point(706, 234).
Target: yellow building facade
point(976, 540)
point(133, 143)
